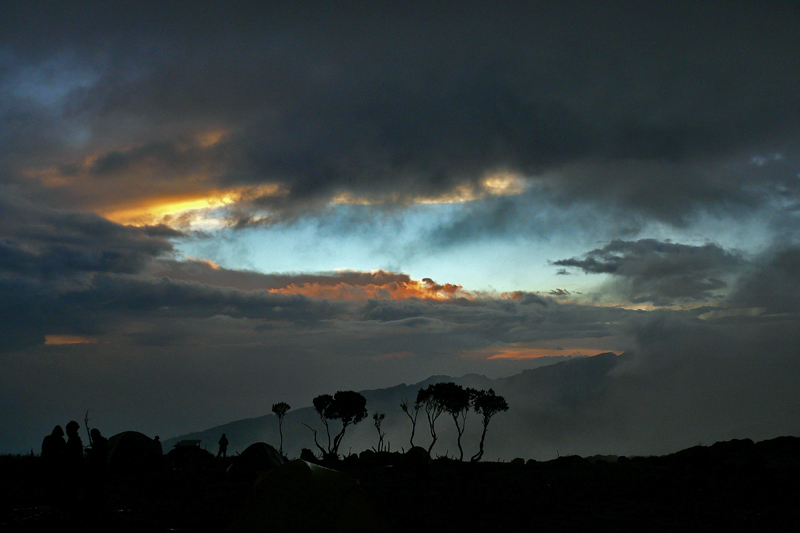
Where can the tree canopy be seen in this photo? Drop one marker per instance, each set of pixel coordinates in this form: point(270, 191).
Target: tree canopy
point(487, 404)
point(280, 409)
point(456, 401)
point(348, 407)
point(430, 400)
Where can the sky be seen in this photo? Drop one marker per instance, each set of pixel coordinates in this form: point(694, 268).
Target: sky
point(209, 208)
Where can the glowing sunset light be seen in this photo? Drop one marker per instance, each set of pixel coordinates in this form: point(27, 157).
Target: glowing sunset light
point(566, 347)
point(157, 210)
point(504, 183)
point(395, 290)
point(521, 353)
point(211, 137)
point(497, 184)
point(191, 208)
point(56, 340)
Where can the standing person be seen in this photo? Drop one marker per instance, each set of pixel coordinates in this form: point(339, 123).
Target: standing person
point(96, 458)
point(53, 453)
point(73, 465)
point(223, 446)
point(53, 447)
point(74, 449)
point(73, 454)
point(97, 453)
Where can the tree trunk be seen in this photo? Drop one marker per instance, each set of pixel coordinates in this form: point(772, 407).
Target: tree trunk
point(477, 457)
point(460, 431)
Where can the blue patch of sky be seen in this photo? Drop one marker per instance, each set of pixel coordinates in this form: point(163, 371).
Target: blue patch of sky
point(367, 238)
point(514, 254)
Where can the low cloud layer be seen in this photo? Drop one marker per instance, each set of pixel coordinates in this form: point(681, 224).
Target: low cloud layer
point(661, 272)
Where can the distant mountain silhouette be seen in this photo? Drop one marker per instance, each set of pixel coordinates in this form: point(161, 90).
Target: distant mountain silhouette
point(564, 382)
point(603, 405)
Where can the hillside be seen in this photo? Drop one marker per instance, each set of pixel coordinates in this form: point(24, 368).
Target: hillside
point(606, 404)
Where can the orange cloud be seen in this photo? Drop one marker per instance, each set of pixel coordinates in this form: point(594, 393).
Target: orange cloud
point(67, 339)
point(392, 290)
point(518, 354)
point(192, 209)
point(211, 137)
point(558, 347)
point(501, 183)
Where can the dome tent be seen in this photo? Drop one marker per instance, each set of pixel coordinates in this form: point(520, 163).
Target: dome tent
point(133, 453)
point(303, 497)
point(256, 458)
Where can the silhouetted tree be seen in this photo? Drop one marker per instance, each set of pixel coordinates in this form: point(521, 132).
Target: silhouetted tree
point(346, 406)
point(408, 410)
point(349, 408)
point(321, 405)
point(456, 401)
point(280, 410)
point(377, 418)
point(487, 404)
point(430, 401)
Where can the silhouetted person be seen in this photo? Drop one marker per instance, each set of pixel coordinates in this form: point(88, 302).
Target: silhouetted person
point(157, 444)
point(96, 458)
point(99, 449)
point(74, 449)
point(73, 464)
point(223, 446)
point(54, 448)
point(97, 453)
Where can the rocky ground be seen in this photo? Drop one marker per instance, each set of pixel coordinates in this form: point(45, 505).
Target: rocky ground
point(733, 486)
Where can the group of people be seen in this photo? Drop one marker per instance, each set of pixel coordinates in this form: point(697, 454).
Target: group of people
point(64, 460)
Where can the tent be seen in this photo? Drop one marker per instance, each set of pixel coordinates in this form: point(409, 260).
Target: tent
point(131, 452)
point(299, 496)
point(187, 455)
point(256, 458)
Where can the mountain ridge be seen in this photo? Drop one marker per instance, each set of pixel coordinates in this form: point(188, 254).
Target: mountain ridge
point(608, 404)
point(241, 433)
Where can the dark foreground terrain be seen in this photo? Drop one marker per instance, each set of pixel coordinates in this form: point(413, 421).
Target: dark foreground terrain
point(734, 486)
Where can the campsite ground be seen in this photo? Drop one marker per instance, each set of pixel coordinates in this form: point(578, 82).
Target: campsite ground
point(738, 486)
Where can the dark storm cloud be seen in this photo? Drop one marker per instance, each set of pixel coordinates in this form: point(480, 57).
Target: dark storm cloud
point(661, 272)
point(104, 303)
point(117, 162)
point(773, 283)
point(46, 253)
point(618, 101)
point(683, 339)
point(526, 318)
point(22, 316)
point(539, 214)
point(204, 272)
point(43, 243)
